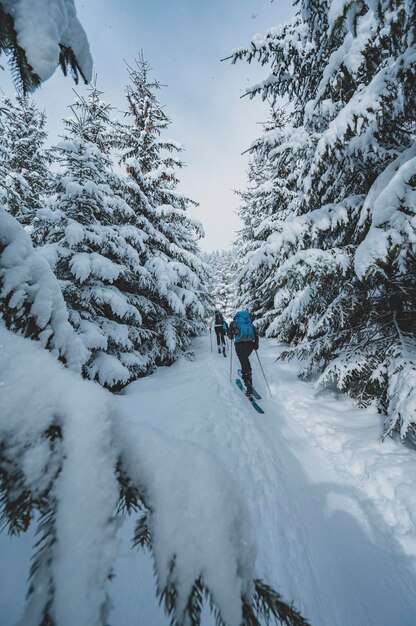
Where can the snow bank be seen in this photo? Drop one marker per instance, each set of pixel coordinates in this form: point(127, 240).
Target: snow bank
point(351, 439)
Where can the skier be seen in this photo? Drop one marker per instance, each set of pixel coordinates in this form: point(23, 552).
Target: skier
point(246, 340)
point(220, 327)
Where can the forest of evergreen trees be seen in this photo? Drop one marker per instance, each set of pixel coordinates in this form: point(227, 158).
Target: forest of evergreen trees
point(103, 270)
point(122, 248)
point(100, 265)
point(222, 280)
point(328, 241)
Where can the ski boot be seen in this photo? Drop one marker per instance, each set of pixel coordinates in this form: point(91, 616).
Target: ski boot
point(249, 393)
point(249, 388)
point(223, 351)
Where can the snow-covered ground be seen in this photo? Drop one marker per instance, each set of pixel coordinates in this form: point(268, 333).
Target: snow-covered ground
point(333, 509)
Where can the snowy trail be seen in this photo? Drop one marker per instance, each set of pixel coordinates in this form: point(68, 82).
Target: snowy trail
point(332, 510)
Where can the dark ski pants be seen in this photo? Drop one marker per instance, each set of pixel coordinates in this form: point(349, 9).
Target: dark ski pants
point(220, 332)
point(243, 350)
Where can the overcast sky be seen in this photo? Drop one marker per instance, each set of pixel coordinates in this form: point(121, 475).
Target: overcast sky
point(184, 41)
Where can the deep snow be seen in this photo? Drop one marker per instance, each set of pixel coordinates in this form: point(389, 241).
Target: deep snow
point(333, 509)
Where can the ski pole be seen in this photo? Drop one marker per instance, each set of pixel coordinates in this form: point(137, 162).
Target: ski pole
point(264, 374)
point(210, 337)
point(231, 357)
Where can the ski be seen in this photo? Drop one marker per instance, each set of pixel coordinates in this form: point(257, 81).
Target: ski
point(255, 393)
point(251, 400)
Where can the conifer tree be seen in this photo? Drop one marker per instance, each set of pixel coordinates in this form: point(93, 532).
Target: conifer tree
point(30, 296)
point(97, 249)
point(254, 205)
point(342, 276)
point(25, 161)
point(31, 301)
point(267, 202)
point(222, 271)
point(174, 263)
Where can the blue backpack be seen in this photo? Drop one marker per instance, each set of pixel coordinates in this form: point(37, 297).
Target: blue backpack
point(244, 327)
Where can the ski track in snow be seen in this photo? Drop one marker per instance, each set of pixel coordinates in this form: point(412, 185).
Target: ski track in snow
point(333, 510)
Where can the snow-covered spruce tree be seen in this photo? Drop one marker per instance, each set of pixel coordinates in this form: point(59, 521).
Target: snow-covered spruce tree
point(30, 296)
point(31, 301)
point(178, 276)
point(25, 161)
point(343, 281)
point(91, 237)
point(254, 204)
point(221, 265)
point(268, 201)
point(31, 304)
